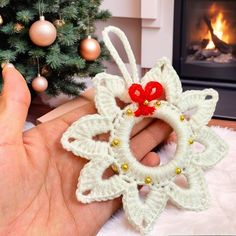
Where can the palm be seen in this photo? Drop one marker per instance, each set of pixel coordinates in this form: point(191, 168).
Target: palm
point(38, 178)
point(40, 184)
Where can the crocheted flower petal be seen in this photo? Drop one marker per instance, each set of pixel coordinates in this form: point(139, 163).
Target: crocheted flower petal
point(79, 136)
point(109, 87)
point(215, 148)
point(200, 106)
point(165, 74)
point(92, 186)
point(142, 213)
point(196, 196)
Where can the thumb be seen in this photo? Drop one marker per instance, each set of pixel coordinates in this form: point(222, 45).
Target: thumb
point(14, 102)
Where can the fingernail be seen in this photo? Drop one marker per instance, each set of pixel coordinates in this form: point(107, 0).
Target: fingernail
point(7, 65)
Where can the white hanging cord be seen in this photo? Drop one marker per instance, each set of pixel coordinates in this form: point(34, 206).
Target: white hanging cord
point(129, 79)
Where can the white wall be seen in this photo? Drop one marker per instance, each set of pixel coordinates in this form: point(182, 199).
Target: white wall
point(148, 25)
point(158, 42)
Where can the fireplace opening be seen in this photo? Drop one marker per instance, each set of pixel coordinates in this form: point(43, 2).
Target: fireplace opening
point(212, 34)
point(204, 49)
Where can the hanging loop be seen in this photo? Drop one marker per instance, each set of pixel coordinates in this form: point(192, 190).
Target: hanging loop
point(130, 79)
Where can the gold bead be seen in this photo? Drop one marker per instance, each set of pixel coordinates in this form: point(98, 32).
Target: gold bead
point(115, 143)
point(148, 180)
point(158, 104)
point(190, 141)
point(125, 167)
point(129, 112)
point(115, 168)
point(146, 102)
point(182, 118)
point(178, 170)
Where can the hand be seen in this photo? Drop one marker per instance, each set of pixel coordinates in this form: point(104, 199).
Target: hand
point(38, 178)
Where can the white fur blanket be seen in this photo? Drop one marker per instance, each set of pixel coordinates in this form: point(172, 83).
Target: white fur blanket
point(219, 219)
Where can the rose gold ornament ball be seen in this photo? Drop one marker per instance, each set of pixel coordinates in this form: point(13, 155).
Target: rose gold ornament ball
point(42, 32)
point(89, 49)
point(40, 84)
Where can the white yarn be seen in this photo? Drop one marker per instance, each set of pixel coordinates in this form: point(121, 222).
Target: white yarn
point(110, 118)
point(129, 79)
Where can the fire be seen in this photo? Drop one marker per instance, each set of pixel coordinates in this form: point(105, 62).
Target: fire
point(220, 27)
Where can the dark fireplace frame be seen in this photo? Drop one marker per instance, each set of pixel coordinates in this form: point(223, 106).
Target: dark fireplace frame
point(226, 108)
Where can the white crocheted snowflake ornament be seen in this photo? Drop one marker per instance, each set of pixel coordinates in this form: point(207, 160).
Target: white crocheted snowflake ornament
point(143, 99)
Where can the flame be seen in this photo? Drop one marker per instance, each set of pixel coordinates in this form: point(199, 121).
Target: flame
point(220, 27)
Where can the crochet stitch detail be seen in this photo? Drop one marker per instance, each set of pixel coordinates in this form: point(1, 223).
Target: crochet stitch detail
point(174, 110)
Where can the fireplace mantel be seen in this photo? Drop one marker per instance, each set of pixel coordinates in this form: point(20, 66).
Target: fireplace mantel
point(149, 11)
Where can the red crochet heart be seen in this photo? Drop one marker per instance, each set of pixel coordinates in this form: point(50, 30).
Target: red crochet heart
point(152, 91)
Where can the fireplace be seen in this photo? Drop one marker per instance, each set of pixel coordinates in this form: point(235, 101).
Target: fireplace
point(205, 49)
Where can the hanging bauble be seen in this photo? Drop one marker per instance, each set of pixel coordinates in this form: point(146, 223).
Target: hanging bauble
point(89, 49)
point(1, 20)
point(42, 32)
point(18, 27)
point(40, 84)
point(59, 23)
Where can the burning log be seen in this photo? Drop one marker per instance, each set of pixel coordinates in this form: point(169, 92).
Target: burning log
point(204, 43)
point(196, 47)
point(207, 53)
point(220, 44)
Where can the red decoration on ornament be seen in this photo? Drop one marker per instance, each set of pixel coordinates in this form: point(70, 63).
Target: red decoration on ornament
point(153, 90)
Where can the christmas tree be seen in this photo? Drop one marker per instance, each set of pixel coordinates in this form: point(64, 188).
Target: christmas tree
point(61, 59)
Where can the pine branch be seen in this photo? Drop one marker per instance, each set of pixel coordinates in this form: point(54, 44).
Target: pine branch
point(69, 12)
point(103, 15)
point(7, 55)
point(62, 58)
point(66, 85)
point(25, 16)
point(4, 3)
point(8, 28)
point(55, 59)
point(29, 73)
point(76, 61)
point(37, 53)
point(72, 88)
point(67, 35)
point(18, 45)
point(40, 6)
